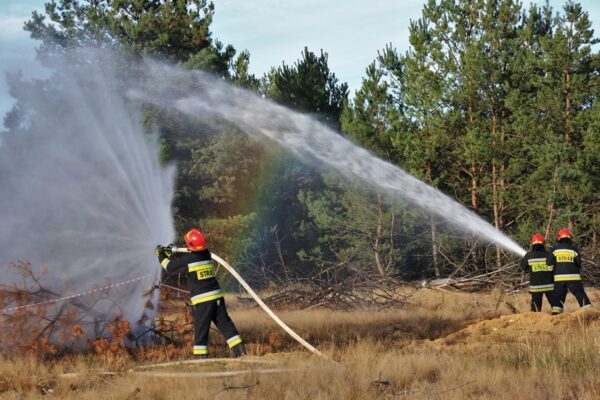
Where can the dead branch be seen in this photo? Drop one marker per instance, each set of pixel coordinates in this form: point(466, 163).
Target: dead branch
point(53, 326)
point(227, 387)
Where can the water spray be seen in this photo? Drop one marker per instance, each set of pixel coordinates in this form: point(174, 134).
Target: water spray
point(206, 98)
point(84, 194)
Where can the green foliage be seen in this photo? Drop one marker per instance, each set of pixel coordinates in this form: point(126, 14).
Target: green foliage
point(493, 104)
point(308, 86)
point(230, 236)
point(215, 172)
point(241, 75)
point(372, 118)
point(354, 228)
point(215, 182)
point(175, 29)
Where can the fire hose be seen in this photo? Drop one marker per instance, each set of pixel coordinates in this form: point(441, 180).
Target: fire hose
point(258, 300)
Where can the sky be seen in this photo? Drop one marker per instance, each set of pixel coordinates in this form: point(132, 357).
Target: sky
point(273, 31)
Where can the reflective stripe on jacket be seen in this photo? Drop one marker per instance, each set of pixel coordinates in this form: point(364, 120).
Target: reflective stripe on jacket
point(567, 261)
point(200, 271)
point(539, 263)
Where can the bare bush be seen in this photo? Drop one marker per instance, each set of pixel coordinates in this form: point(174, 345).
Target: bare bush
point(43, 322)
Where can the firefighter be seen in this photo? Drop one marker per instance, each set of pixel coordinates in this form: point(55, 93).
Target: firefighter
point(207, 296)
point(567, 277)
point(539, 263)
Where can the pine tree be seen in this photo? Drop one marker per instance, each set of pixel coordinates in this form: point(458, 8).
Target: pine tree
point(566, 96)
point(174, 29)
point(308, 86)
point(357, 230)
point(372, 117)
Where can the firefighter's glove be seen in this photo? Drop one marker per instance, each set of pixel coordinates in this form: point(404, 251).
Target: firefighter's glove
point(168, 251)
point(160, 250)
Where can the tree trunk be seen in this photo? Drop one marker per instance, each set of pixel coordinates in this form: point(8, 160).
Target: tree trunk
point(434, 249)
point(501, 196)
point(567, 133)
point(376, 244)
point(496, 211)
point(495, 196)
point(474, 189)
point(594, 244)
point(391, 257)
point(474, 199)
point(474, 183)
point(551, 205)
point(434, 246)
point(502, 177)
point(550, 213)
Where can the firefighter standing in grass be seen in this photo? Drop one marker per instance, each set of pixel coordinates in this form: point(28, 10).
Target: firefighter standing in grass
point(566, 274)
point(539, 263)
point(207, 295)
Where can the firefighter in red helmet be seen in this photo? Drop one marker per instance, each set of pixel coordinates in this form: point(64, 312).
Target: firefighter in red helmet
point(567, 276)
point(539, 263)
point(207, 297)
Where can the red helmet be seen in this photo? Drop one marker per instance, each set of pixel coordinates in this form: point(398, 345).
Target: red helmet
point(537, 239)
point(563, 233)
point(194, 240)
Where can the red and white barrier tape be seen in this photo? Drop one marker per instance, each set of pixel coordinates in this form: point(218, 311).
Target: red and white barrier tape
point(174, 288)
point(73, 296)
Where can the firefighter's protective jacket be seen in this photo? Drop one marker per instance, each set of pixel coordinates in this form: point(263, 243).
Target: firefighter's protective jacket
point(540, 265)
point(567, 261)
point(200, 271)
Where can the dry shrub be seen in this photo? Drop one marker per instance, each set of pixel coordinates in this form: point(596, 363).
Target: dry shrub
point(114, 346)
point(51, 327)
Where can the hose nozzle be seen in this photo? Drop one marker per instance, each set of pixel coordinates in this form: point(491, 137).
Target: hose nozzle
point(175, 249)
point(171, 248)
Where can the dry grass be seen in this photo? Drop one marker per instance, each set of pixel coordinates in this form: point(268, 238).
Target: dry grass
point(443, 346)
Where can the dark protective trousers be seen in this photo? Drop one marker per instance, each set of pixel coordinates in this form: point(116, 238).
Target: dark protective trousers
point(538, 297)
point(213, 311)
point(560, 295)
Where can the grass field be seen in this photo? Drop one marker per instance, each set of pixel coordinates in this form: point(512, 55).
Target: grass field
point(442, 345)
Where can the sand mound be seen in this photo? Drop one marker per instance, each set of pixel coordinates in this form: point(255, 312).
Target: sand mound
point(518, 328)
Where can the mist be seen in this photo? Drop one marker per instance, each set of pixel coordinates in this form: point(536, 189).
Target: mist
point(84, 195)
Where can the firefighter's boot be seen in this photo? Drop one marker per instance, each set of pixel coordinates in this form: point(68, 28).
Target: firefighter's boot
point(238, 350)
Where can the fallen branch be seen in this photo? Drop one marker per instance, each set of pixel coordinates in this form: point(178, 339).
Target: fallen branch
point(453, 388)
point(230, 387)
